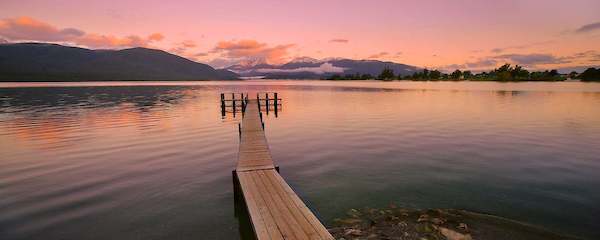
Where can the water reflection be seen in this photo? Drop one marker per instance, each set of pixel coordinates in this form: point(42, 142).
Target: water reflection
point(53, 99)
point(155, 161)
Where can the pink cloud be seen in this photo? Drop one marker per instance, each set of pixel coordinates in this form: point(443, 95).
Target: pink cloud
point(379, 55)
point(26, 28)
point(30, 29)
point(189, 44)
point(245, 50)
point(339, 40)
point(156, 37)
point(109, 41)
point(183, 48)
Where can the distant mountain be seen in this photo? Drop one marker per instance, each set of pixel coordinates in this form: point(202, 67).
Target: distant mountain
point(310, 68)
point(53, 62)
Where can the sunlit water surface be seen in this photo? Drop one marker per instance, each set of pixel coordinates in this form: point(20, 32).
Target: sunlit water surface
point(153, 160)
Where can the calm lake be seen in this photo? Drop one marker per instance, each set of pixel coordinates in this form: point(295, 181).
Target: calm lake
point(153, 160)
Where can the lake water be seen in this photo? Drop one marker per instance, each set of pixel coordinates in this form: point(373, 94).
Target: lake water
point(153, 160)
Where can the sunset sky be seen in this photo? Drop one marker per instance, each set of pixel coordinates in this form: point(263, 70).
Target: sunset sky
point(441, 34)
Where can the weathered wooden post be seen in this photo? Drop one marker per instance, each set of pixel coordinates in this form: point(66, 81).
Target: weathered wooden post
point(243, 105)
point(223, 105)
point(240, 130)
point(267, 102)
point(233, 104)
point(275, 104)
point(258, 101)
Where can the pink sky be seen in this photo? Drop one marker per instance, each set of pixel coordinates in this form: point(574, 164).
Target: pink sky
point(474, 34)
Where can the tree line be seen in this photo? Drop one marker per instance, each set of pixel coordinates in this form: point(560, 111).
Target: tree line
point(504, 73)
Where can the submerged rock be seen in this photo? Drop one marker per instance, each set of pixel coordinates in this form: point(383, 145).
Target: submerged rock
point(453, 235)
point(433, 224)
point(353, 232)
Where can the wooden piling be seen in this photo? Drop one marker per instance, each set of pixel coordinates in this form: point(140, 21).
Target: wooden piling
point(267, 103)
point(275, 104)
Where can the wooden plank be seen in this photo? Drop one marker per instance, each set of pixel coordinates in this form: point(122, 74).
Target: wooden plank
point(259, 213)
point(323, 233)
point(258, 223)
point(289, 228)
point(276, 212)
point(289, 204)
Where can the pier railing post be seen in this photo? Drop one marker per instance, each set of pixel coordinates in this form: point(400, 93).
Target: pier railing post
point(267, 103)
point(223, 105)
point(233, 107)
point(275, 104)
point(258, 102)
point(243, 104)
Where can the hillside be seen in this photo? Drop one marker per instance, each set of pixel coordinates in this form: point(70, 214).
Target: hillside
point(53, 62)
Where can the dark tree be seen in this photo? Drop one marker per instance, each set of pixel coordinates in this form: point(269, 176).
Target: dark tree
point(573, 75)
point(467, 74)
point(386, 74)
point(435, 75)
point(456, 74)
point(519, 73)
point(590, 74)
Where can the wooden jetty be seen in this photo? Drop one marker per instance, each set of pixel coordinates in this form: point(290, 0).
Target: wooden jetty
point(274, 209)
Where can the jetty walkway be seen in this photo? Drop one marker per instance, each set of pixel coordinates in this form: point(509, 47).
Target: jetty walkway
point(275, 211)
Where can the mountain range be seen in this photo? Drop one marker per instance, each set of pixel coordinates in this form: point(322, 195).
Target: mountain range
point(310, 68)
point(53, 62)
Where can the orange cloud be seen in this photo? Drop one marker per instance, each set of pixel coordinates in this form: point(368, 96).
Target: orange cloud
point(96, 40)
point(156, 37)
point(189, 44)
point(339, 40)
point(182, 49)
point(244, 50)
point(30, 29)
point(379, 55)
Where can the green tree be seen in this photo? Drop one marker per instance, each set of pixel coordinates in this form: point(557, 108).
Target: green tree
point(590, 74)
point(366, 77)
point(573, 75)
point(456, 74)
point(467, 75)
point(386, 74)
point(435, 75)
point(503, 76)
point(519, 73)
point(504, 73)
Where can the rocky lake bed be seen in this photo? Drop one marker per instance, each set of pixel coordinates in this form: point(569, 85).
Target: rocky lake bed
point(396, 223)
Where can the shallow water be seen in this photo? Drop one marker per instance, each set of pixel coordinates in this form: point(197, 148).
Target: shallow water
point(152, 160)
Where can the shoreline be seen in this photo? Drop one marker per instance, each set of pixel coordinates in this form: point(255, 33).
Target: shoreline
point(266, 79)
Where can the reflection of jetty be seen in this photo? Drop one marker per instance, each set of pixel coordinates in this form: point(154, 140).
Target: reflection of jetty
point(274, 209)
